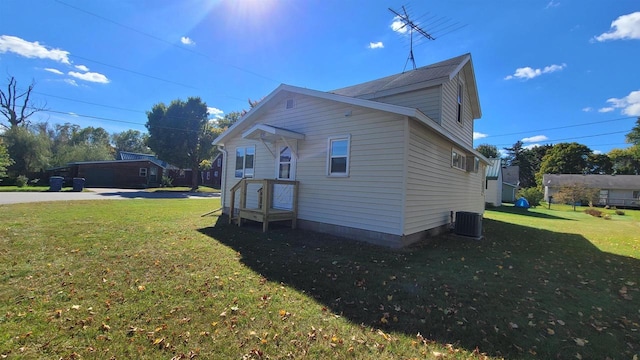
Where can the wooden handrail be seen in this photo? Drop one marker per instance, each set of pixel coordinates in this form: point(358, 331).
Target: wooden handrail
point(266, 198)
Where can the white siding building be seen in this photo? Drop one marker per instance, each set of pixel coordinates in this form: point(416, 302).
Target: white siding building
point(388, 161)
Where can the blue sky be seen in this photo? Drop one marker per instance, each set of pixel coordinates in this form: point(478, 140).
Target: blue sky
point(548, 71)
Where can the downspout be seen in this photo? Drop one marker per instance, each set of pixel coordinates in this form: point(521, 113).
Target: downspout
point(223, 176)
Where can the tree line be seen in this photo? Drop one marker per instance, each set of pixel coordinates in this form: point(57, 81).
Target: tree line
point(180, 133)
point(568, 158)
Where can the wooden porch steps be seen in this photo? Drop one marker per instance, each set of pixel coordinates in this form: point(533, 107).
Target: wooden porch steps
point(266, 213)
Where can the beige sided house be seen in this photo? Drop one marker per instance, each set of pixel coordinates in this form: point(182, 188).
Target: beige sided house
point(388, 161)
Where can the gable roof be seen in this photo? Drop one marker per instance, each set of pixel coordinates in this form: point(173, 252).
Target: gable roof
point(426, 76)
point(622, 182)
point(284, 91)
point(494, 170)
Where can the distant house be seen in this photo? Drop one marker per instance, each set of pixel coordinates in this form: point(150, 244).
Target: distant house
point(389, 161)
point(509, 192)
point(213, 177)
point(511, 174)
point(614, 190)
point(493, 183)
point(129, 170)
point(510, 183)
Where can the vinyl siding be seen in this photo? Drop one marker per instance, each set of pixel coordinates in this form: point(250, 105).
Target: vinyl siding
point(371, 197)
point(426, 100)
point(449, 120)
point(493, 192)
point(434, 188)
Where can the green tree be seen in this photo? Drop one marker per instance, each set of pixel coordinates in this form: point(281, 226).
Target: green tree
point(634, 136)
point(30, 150)
point(599, 164)
point(565, 158)
point(489, 151)
point(525, 159)
point(131, 141)
point(181, 134)
point(71, 143)
point(625, 161)
point(228, 119)
point(5, 160)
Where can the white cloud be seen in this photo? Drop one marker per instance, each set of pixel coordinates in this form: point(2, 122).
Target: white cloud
point(376, 45)
point(597, 152)
point(530, 73)
point(534, 139)
point(552, 4)
point(629, 104)
point(477, 135)
point(587, 109)
point(398, 25)
point(31, 49)
point(89, 76)
point(187, 40)
point(605, 109)
point(71, 82)
point(55, 71)
point(214, 112)
point(531, 146)
point(82, 68)
point(624, 27)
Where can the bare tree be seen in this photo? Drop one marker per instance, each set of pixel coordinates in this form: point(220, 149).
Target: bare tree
point(16, 106)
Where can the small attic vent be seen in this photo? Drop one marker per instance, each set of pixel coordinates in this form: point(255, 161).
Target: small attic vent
point(290, 104)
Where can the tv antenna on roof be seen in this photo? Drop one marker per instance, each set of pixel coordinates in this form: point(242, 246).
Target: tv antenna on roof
point(407, 22)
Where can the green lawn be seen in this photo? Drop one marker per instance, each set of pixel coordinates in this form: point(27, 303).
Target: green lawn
point(155, 279)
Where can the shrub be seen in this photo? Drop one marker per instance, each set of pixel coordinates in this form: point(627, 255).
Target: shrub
point(22, 181)
point(619, 212)
point(607, 217)
point(166, 181)
point(532, 194)
point(593, 212)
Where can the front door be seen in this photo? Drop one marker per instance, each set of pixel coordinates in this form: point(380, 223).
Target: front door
point(285, 170)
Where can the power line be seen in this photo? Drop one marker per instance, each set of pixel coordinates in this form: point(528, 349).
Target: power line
point(130, 28)
point(577, 137)
point(561, 127)
point(89, 103)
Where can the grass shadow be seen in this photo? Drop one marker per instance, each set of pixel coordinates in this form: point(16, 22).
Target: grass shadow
point(520, 293)
point(526, 212)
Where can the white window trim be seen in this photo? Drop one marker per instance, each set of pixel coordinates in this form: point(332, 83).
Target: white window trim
point(330, 140)
point(462, 165)
point(460, 103)
point(244, 161)
point(142, 172)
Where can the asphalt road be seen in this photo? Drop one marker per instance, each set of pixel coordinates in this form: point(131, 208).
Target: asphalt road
point(97, 194)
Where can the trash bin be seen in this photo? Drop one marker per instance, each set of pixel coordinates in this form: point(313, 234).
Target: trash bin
point(78, 184)
point(55, 183)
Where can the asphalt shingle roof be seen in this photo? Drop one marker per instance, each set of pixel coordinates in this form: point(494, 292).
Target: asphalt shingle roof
point(440, 70)
point(626, 182)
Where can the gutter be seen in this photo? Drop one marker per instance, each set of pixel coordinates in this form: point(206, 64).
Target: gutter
point(223, 176)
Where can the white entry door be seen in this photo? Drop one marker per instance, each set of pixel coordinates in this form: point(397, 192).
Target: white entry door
point(285, 170)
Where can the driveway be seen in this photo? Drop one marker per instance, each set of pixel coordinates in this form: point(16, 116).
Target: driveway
point(97, 194)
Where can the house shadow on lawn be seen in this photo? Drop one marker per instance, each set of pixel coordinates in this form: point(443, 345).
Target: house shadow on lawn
point(141, 194)
point(525, 212)
point(519, 293)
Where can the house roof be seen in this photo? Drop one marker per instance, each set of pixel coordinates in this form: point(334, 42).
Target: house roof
point(284, 91)
point(157, 162)
point(494, 169)
point(127, 155)
point(426, 76)
point(622, 182)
